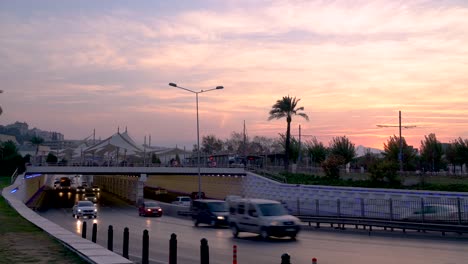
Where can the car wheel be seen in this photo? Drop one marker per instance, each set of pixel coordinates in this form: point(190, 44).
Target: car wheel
point(77, 217)
point(73, 215)
point(293, 236)
point(235, 231)
point(195, 222)
point(264, 234)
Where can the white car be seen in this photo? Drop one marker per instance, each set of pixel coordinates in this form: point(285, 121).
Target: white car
point(90, 197)
point(84, 209)
point(183, 201)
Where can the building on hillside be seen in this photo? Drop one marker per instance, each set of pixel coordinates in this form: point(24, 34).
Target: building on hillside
point(5, 138)
point(22, 127)
point(47, 135)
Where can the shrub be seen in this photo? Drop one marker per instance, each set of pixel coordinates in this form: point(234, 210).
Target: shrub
point(331, 166)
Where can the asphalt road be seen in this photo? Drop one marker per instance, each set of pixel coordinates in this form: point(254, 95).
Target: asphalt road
point(329, 246)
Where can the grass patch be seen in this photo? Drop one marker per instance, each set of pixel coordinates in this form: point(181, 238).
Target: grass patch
point(23, 242)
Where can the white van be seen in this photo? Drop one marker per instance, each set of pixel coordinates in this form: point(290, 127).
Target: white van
point(260, 216)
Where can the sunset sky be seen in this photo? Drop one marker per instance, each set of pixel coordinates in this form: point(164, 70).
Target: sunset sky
point(75, 66)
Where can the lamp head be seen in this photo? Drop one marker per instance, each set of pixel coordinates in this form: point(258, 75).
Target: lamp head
point(173, 84)
point(219, 87)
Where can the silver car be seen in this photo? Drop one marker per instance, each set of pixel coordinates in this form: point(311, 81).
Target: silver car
point(434, 212)
point(84, 209)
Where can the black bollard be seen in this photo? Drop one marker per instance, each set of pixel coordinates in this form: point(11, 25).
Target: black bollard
point(94, 235)
point(125, 243)
point(285, 259)
point(204, 252)
point(173, 249)
point(83, 231)
point(145, 255)
point(110, 239)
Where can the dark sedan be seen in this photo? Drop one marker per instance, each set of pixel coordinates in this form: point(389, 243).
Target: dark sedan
point(150, 209)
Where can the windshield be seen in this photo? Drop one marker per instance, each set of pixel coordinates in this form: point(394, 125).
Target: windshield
point(272, 209)
point(151, 204)
point(185, 199)
point(85, 203)
point(218, 207)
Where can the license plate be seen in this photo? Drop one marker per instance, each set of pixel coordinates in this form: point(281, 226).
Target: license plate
point(290, 229)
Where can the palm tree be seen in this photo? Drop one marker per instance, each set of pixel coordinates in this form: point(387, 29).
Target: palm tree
point(287, 107)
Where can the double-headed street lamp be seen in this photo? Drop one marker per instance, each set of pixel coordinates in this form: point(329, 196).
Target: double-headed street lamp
point(198, 128)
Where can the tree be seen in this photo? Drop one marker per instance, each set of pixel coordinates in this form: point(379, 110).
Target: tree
point(211, 144)
point(51, 158)
point(293, 147)
point(155, 159)
point(316, 150)
point(392, 150)
point(10, 159)
point(287, 108)
point(457, 152)
point(261, 145)
point(384, 170)
point(331, 166)
point(367, 160)
point(37, 141)
point(342, 146)
point(431, 153)
point(235, 144)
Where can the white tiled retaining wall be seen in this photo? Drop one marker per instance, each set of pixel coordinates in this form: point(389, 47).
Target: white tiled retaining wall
point(259, 187)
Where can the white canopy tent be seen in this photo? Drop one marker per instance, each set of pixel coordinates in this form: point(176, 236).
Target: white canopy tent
point(114, 149)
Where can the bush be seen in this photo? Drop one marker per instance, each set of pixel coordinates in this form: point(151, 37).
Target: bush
point(384, 170)
point(331, 166)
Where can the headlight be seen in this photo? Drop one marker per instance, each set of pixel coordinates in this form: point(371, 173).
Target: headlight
point(95, 210)
point(79, 210)
point(274, 223)
point(220, 217)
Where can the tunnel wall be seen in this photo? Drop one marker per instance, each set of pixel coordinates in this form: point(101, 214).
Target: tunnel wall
point(32, 185)
point(217, 187)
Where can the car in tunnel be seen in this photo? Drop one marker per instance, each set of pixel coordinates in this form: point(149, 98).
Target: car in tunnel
point(90, 197)
point(84, 209)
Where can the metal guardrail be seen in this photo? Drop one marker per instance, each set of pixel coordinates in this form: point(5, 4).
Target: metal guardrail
point(403, 225)
point(416, 209)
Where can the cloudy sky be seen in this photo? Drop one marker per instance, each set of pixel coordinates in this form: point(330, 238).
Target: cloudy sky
point(75, 66)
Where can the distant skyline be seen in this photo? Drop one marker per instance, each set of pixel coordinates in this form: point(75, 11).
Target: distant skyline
point(75, 66)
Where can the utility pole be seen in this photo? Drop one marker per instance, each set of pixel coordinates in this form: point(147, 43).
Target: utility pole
point(400, 154)
point(400, 151)
point(299, 157)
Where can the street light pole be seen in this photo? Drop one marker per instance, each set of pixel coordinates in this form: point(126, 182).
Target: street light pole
point(198, 128)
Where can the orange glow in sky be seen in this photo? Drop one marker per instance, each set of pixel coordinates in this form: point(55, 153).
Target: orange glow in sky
point(73, 67)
